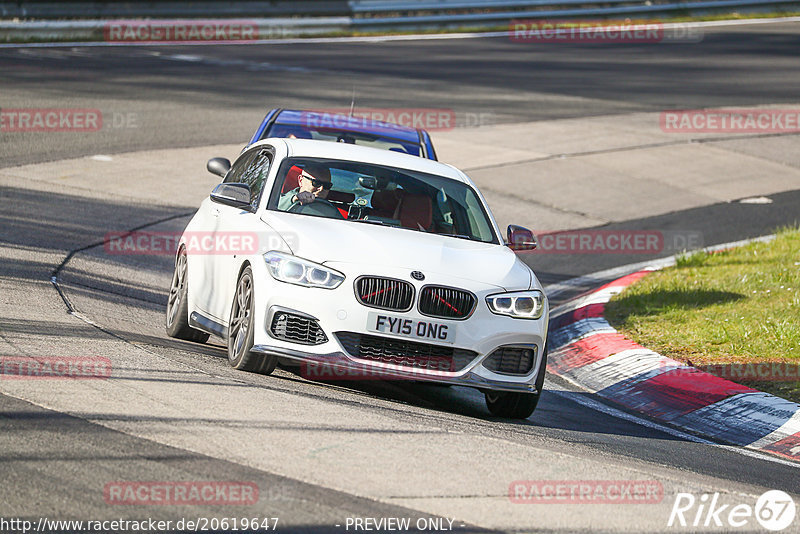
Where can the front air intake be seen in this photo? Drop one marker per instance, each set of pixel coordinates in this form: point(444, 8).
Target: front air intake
point(297, 329)
point(384, 293)
point(511, 360)
point(446, 302)
point(411, 354)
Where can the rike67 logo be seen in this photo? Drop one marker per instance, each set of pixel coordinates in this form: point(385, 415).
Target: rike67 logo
point(774, 510)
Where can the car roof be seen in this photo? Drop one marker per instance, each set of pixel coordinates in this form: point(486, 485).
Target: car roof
point(344, 151)
point(356, 124)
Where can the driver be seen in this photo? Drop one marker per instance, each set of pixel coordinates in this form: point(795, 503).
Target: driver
point(314, 182)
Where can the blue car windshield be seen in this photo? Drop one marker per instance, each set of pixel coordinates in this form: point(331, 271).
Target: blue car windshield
point(300, 131)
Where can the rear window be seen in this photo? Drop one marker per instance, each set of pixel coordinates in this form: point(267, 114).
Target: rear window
point(299, 131)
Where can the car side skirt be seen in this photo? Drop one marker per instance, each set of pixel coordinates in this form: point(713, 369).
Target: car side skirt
point(206, 324)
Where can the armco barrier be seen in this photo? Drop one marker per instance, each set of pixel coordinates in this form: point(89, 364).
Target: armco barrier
point(97, 30)
point(31, 20)
point(32, 9)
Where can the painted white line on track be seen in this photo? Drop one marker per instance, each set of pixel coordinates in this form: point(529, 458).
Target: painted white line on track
point(384, 38)
point(619, 414)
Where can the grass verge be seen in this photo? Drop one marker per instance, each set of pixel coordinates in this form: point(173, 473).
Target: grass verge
point(716, 311)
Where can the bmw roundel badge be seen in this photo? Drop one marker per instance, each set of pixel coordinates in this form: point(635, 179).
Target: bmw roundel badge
point(416, 275)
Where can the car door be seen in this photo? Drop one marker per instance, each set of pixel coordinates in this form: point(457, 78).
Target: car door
point(238, 231)
point(202, 265)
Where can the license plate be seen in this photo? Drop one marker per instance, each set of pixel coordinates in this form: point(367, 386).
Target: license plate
point(415, 328)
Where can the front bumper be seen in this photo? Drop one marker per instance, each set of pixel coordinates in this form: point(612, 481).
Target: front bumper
point(340, 366)
point(338, 312)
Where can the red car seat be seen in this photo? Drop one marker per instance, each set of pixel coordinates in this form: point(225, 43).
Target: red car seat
point(416, 211)
point(292, 180)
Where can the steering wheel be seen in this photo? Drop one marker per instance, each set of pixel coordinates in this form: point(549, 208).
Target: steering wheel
point(320, 207)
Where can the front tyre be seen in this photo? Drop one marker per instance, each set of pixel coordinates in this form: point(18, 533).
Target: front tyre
point(511, 405)
point(177, 316)
point(241, 330)
point(517, 405)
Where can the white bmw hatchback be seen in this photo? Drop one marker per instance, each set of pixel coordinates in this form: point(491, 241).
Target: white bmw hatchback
point(359, 262)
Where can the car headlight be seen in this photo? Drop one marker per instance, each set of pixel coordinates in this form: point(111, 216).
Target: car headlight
point(294, 270)
point(520, 304)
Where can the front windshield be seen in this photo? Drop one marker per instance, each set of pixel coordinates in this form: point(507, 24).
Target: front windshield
point(320, 133)
point(375, 194)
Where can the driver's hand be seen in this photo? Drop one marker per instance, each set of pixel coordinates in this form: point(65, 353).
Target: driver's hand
point(305, 197)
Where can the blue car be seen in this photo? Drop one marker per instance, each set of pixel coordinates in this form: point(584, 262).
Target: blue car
point(340, 128)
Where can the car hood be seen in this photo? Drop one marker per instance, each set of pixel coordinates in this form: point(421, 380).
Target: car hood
point(338, 241)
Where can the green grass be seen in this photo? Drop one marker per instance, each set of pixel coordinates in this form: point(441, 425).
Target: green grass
point(735, 306)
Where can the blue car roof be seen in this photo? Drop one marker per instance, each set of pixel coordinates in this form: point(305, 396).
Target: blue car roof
point(353, 124)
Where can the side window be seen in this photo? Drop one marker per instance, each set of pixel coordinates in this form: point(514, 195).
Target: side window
point(235, 174)
point(255, 175)
point(251, 169)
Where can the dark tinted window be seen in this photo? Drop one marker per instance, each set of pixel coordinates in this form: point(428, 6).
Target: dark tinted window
point(400, 198)
point(234, 175)
point(252, 169)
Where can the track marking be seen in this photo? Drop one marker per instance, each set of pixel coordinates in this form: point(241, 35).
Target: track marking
point(619, 414)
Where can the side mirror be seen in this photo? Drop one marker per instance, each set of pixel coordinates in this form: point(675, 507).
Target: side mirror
point(219, 166)
point(520, 238)
point(236, 195)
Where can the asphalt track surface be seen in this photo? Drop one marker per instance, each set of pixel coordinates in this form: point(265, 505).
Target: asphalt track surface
point(194, 96)
point(53, 463)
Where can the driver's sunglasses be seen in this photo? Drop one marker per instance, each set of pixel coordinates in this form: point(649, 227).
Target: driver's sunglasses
point(318, 183)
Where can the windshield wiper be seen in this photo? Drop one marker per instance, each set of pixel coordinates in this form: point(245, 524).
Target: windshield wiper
point(460, 236)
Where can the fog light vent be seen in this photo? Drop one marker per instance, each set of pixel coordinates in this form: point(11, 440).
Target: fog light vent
point(511, 360)
point(297, 329)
